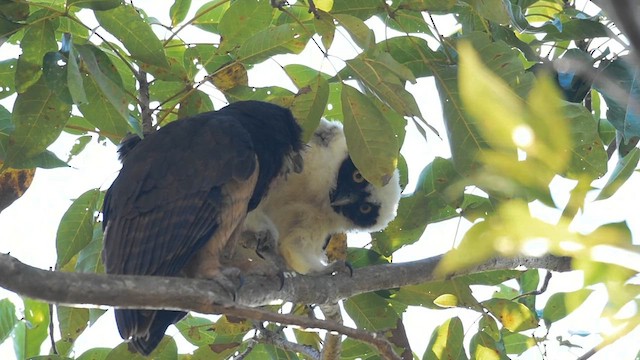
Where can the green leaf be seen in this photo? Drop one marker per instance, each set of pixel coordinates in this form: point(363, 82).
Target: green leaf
point(78, 146)
point(562, 304)
point(220, 336)
point(39, 117)
point(107, 103)
point(356, 350)
point(125, 23)
point(427, 5)
point(95, 354)
point(76, 227)
point(516, 343)
point(514, 316)
point(362, 9)
point(372, 145)
point(483, 347)
point(371, 312)
point(197, 102)
point(308, 107)
point(434, 200)
point(588, 156)
point(74, 78)
point(325, 28)
point(54, 71)
point(361, 34)
point(7, 77)
point(166, 350)
point(39, 39)
point(414, 53)
point(242, 20)
point(446, 342)
point(30, 333)
point(208, 16)
point(90, 257)
point(44, 160)
point(178, 11)
point(177, 69)
point(8, 318)
point(375, 75)
point(426, 294)
point(493, 10)
point(282, 39)
point(95, 4)
point(621, 173)
point(71, 322)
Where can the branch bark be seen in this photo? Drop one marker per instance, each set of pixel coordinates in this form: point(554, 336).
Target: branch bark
point(151, 292)
point(207, 297)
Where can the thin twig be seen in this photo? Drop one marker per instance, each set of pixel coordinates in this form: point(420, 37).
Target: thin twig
point(276, 339)
point(143, 102)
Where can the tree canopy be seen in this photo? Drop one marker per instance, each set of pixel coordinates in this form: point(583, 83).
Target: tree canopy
point(532, 92)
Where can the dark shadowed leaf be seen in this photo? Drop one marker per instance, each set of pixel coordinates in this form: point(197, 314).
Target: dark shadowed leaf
point(309, 104)
point(371, 312)
point(38, 116)
point(7, 77)
point(372, 144)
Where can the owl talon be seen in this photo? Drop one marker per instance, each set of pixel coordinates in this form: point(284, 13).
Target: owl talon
point(230, 280)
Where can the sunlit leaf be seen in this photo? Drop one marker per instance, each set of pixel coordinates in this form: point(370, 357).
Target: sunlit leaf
point(30, 333)
point(562, 304)
point(513, 315)
point(446, 342)
point(362, 9)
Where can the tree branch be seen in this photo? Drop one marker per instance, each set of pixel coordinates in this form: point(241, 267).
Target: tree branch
point(154, 292)
point(207, 297)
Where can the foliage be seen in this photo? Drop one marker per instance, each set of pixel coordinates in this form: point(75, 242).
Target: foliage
point(521, 85)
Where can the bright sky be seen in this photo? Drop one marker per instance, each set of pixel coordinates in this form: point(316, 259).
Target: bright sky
point(29, 225)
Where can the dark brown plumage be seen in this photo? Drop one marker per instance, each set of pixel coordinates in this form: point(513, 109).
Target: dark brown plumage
point(182, 195)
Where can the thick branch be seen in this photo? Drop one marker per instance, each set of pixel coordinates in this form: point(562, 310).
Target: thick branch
point(205, 296)
point(197, 295)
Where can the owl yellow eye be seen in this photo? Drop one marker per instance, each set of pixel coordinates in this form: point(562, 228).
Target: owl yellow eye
point(365, 208)
point(357, 177)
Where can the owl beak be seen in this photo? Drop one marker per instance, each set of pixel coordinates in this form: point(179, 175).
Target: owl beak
point(343, 199)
